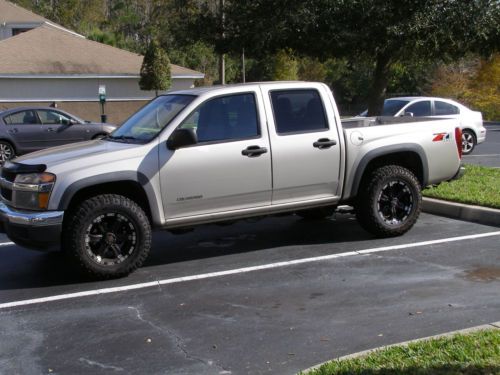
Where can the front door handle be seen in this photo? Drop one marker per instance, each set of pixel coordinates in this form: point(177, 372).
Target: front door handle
point(323, 143)
point(51, 130)
point(12, 131)
point(253, 151)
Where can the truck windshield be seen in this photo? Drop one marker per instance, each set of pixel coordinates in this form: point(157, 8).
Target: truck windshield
point(151, 119)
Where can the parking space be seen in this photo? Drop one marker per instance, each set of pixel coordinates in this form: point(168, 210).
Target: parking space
point(274, 296)
point(488, 153)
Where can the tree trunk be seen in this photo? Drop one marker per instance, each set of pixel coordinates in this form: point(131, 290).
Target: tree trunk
point(379, 85)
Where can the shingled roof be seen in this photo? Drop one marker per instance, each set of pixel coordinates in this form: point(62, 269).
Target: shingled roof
point(47, 50)
point(11, 13)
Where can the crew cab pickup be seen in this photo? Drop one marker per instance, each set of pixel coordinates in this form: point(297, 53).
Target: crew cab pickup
point(217, 154)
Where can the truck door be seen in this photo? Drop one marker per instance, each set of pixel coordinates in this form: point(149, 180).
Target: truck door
point(305, 140)
point(230, 166)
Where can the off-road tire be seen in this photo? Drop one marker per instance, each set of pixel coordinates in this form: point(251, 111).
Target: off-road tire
point(317, 213)
point(107, 211)
point(389, 201)
point(468, 141)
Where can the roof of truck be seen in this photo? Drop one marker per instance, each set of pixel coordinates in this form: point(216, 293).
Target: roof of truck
point(204, 89)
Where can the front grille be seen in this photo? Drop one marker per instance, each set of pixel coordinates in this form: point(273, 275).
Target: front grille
point(6, 193)
point(6, 180)
point(8, 175)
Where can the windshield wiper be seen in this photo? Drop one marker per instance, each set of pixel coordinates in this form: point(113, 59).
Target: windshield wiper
point(122, 138)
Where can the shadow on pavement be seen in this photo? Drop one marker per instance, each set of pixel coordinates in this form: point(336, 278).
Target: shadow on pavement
point(22, 269)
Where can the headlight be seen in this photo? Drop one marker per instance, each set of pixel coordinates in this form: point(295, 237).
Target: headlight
point(31, 191)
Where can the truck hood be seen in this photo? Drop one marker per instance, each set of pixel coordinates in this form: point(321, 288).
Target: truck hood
point(62, 154)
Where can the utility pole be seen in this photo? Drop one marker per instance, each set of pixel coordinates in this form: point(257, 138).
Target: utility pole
point(243, 65)
point(222, 59)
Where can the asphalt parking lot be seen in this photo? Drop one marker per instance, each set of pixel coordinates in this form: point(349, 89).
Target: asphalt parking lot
point(274, 296)
point(488, 153)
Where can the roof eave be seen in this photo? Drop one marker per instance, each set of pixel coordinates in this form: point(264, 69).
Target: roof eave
point(90, 76)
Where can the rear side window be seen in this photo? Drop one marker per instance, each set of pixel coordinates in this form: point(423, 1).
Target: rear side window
point(422, 108)
point(226, 118)
point(393, 106)
point(297, 111)
point(443, 109)
point(23, 117)
point(53, 117)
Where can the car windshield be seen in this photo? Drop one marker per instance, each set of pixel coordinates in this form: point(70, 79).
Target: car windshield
point(151, 119)
point(391, 107)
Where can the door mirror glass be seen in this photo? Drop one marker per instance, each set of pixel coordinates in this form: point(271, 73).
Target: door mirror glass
point(181, 137)
point(408, 114)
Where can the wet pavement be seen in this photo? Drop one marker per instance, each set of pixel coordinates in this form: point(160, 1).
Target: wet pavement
point(254, 320)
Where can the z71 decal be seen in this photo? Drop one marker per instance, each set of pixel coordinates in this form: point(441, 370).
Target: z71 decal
point(441, 137)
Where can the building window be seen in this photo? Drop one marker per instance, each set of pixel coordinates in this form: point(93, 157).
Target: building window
point(17, 31)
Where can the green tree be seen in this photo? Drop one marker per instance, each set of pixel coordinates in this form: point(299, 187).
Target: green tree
point(155, 69)
point(285, 66)
point(384, 32)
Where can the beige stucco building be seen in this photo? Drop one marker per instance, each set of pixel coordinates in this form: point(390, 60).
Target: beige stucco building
point(44, 63)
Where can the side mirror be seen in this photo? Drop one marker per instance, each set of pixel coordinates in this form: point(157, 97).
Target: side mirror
point(181, 138)
point(408, 114)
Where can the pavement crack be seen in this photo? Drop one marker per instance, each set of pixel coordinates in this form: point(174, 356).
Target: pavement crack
point(100, 365)
point(177, 338)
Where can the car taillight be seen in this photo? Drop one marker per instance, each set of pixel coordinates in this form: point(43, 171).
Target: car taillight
point(458, 140)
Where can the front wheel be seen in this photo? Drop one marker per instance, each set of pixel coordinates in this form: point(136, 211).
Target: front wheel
point(389, 201)
point(108, 235)
point(468, 142)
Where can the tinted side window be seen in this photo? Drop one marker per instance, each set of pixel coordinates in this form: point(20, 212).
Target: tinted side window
point(420, 108)
point(52, 117)
point(298, 111)
point(23, 117)
point(226, 118)
point(443, 108)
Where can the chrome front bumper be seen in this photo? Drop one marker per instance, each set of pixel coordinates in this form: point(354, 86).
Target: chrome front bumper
point(30, 218)
point(35, 230)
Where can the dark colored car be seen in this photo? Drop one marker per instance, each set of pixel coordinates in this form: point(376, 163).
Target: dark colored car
point(28, 129)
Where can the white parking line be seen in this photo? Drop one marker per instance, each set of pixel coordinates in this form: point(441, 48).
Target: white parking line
point(239, 271)
point(480, 155)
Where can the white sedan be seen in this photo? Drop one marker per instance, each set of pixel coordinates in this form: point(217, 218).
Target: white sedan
point(473, 131)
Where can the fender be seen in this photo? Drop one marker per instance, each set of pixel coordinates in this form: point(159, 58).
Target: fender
point(133, 176)
point(385, 151)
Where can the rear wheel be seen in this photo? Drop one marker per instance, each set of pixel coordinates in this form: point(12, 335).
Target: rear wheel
point(108, 236)
point(389, 201)
point(6, 151)
point(468, 141)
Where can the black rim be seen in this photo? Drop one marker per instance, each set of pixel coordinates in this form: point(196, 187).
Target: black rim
point(110, 239)
point(395, 202)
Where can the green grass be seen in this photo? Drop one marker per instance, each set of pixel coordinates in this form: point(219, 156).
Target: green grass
point(476, 353)
point(479, 186)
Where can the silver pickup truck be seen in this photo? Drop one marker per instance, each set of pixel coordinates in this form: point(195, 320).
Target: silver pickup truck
point(218, 154)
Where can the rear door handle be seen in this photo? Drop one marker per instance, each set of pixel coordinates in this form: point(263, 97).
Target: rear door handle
point(253, 151)
point(12, 131)
point(51, 130)
point(324, 143)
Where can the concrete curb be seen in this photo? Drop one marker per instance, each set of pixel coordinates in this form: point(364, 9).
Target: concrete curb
point(476, 214)
point(490, 326)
